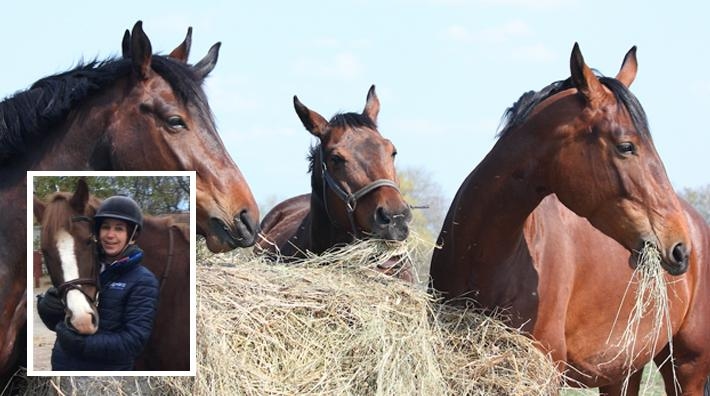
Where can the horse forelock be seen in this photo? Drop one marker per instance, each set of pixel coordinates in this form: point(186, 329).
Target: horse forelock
point(29, 115)
point(57, 216)
point(350, 121)
point(630, 103)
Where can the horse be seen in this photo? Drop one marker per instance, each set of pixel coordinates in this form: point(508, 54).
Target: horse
point(138, 112)
point(354, 190)
point(69, 248)
point(546, 230)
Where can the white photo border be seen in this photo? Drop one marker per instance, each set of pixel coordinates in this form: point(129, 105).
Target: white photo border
point(31, 372)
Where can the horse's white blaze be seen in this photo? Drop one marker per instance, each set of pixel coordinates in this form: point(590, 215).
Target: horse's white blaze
point(65, 246)
point(82, 311)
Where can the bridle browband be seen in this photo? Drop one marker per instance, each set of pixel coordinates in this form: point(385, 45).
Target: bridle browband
point(350, 199)
point(75, 284)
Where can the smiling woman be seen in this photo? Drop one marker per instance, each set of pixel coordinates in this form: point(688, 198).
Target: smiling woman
point(92, 254)
point(112, 334)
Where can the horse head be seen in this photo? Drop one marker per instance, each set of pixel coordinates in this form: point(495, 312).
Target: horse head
point(603, 165)
point(69, 249)
point(164, 123)
point(353, 172)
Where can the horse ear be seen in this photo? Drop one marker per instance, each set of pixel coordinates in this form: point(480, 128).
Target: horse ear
point(141, 51)
point(205, 66)
point(80, 198)
point(314, 122)
point(583, 78)
point(182, 51)
point(38, 207)
point(627, 73)
point(372, 106)
point(126, 45)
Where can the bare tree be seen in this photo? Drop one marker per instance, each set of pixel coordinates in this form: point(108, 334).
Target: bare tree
point(699, 198)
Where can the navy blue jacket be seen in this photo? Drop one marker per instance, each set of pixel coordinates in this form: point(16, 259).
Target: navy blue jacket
point(128, 301)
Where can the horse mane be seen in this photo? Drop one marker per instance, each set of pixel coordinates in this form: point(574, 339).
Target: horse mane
point(521, 109)
point(28, 115)
point(340, 120)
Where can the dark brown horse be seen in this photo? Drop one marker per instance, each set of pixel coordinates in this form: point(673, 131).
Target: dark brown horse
point(354, 191)
point(165, 241)
point(142, 112)
point(69, 248)
point(547, 227)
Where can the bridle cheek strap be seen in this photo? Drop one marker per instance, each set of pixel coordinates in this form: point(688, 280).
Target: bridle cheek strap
point(350, 199)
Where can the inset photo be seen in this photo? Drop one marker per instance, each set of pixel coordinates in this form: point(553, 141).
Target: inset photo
point(112, 284)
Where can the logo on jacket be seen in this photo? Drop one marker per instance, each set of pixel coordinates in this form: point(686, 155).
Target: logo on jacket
point(117, 285)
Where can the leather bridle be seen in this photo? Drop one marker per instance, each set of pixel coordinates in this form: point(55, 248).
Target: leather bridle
point(350, 199)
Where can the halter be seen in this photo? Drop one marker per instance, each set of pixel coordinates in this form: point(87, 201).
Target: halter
point(75, 284)
point(350, 199)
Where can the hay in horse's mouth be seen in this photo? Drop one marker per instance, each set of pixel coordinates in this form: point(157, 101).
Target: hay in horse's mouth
point(651, 298)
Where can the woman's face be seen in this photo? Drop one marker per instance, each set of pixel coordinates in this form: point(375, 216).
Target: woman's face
point(113, 236)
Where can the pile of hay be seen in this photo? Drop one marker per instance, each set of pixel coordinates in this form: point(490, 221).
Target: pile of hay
point(346, 329)
point(342, 329)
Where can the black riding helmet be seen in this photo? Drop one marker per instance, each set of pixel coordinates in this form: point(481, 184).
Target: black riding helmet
point(119, 207)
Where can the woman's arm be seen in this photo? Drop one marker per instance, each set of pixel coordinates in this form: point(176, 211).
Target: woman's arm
point(128, 342)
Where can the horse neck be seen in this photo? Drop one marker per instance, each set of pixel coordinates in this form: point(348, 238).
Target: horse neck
point(499, 195)
point(323, 233)
point(80, 142)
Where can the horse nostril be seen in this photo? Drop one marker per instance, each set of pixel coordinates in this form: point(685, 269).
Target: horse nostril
point(246, 228)
point(382, 217)
point(680, 254)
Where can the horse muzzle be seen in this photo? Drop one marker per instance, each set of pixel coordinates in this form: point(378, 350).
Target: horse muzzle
point(86, 323)
point(241, 232)
point(393, 226)
point(676, 260)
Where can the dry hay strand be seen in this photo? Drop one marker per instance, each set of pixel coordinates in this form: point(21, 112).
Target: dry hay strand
point(344, 329)
point(335, 329)
point(82, 385)
point(650, 300)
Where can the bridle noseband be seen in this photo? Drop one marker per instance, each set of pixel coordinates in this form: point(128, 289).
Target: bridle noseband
point(350, 199)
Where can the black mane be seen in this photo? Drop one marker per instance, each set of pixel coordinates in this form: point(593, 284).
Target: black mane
point(28, 115)
point(520, 110)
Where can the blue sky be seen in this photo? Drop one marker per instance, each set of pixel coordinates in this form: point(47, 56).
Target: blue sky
point(445, 70)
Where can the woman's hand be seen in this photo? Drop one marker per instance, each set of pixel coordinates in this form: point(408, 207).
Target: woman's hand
point(70, 341)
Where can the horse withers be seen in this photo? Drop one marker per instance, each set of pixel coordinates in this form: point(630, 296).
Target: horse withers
point(547, 228)
point(354, 190)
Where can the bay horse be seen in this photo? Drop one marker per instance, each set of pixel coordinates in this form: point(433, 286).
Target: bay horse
point(139, 112)
point(67, 220)
point(547, 228)
point(354, 190)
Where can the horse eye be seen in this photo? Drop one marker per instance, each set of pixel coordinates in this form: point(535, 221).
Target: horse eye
point(394, 153)
point(176, 122)
point(626, 148)
point(336, 159)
